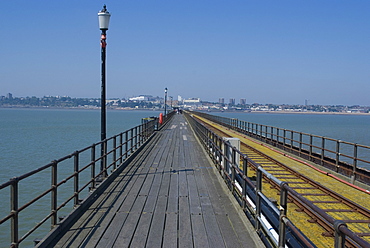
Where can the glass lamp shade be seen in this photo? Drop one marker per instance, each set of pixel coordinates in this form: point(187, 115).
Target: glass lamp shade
point(104, 17)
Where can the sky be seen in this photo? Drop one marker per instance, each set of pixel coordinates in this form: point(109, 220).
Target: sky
point(268, 51)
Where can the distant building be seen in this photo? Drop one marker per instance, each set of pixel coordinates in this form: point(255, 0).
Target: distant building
point(232, 101)
point(179, 98)
point(139, 98)
point(9, 96)
point(192, 101)
point(143, 98)
point(243, 101)
point(221, 100)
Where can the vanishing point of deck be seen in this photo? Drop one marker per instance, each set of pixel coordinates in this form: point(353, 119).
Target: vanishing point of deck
point(170, 195)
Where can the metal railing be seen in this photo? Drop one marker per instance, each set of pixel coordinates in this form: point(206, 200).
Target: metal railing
point(345, 158)
point(88, 175)
point(268, 217)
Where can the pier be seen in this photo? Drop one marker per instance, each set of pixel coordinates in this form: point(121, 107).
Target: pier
point(169, 196)
point(185, 183)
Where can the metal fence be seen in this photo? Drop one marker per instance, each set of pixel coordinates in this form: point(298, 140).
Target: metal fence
point(346, 158)
point(268, 218)
point(85, 174)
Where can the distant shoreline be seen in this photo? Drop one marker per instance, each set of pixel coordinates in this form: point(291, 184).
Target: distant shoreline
point(212, 111)
point(288, 112)
point(77, 108)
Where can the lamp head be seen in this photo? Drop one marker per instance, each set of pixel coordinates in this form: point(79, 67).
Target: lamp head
point(104, 17)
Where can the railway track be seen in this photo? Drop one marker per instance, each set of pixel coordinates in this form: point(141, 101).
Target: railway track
point(354, 215)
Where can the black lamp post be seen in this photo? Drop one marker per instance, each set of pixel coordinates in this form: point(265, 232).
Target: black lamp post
point(104, 17)
point(165, 101)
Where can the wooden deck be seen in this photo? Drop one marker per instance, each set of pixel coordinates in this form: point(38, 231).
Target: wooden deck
point(169, 196)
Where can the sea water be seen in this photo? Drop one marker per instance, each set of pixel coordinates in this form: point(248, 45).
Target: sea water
point(31, 138)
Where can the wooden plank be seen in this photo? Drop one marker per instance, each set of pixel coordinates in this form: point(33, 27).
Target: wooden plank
point(170, 230)
point(173, 195)
point(128, 229)
point(194, 201)
point(199, 231)
point(141, 233)
point(185, 232)
point(157, 226)
point(214, 236)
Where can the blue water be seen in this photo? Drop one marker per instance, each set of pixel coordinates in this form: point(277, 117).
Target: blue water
point(350, 128)
point(31, 138)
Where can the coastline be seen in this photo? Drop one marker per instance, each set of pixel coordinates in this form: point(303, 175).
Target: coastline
point(77, 108)
point(289, 112)
point(208, 111)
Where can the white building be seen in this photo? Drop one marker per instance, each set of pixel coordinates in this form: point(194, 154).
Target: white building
point(139, 98)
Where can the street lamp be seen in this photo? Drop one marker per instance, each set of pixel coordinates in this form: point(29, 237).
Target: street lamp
point(104, 17)
point(165, 101)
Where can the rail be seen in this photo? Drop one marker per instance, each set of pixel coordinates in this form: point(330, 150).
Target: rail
point(345, 158)
point(89, 176)
point(268, 218)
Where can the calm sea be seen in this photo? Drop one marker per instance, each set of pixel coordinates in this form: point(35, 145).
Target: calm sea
point(350, 128)
point(30, 138)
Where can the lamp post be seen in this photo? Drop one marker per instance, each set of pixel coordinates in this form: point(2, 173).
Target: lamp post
point(165, 101)
point(104, 17)
point(171, 102)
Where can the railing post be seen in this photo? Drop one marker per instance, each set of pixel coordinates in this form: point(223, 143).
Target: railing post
point(141, 132)
point(265, 134)
point(132, 141)
point(244, 186)
point(54, 193)
point(353, 179)
point(284, 138)
point(114, 152)
point(14, 211)
point(93, 180)
point(120, 148)
point(226, 154)
point(261, 132)
point(340, 237)
point(322, 150)
point(291, 140)
point(300, 143)
point(233, 171)
point(126, 144)
point(283, 211)
point(258, 198)
point(105, 159)
point(337, 157)
point(311, 144)
point(136, 135)
point(76, 178)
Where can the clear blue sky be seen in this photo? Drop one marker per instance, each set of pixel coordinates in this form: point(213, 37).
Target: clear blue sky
point(264, 51)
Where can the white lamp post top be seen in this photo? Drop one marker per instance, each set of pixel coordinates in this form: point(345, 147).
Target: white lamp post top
point(104, 17)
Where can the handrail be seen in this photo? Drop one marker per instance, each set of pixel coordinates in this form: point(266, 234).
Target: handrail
point(83, 183)
point(345, 158)
point(269, 220)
